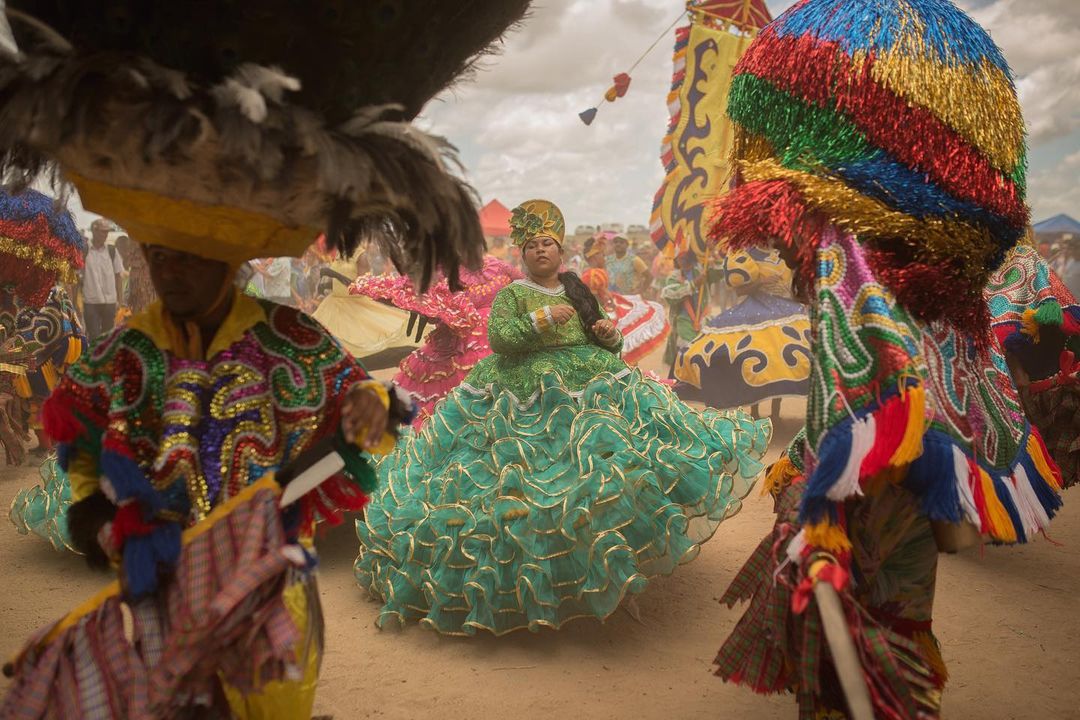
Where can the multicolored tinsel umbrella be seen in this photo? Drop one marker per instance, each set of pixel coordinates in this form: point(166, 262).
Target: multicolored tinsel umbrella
point(39, 245)
point(700, 135)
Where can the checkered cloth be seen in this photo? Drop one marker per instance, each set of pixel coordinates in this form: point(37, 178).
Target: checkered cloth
point(222, 616)
point(773, 650)
point(1056, 412)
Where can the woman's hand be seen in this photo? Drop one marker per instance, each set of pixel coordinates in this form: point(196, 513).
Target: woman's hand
point(562, 314)
point(363, 410)
point(605, 332)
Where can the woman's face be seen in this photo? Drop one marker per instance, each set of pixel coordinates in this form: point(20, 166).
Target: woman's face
point(542, 256)
point(596, 260)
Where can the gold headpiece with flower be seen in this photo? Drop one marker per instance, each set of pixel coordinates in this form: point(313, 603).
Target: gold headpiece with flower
point(534, 219)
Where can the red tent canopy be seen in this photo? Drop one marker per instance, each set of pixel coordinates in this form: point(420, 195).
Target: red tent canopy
point(495, 220)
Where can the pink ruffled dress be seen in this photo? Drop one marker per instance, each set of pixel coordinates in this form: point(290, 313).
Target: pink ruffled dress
point(459, 340)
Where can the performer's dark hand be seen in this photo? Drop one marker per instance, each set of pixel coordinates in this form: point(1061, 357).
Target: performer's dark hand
point(363, 411)
point(605, 331)
point(562, 314)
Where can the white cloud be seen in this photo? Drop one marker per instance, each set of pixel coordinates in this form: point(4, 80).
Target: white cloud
point(1057, 187)
point(1040, 39)
point(520, 135)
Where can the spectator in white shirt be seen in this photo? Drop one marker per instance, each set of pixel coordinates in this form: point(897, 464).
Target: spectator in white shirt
point(102, 281)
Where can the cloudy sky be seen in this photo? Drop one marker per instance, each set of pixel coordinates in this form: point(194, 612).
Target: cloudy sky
point(517, 128)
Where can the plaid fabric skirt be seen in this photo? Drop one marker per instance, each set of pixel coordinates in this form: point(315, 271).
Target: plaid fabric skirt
point(887, 604)
point(221, 620)
point(1056, 412)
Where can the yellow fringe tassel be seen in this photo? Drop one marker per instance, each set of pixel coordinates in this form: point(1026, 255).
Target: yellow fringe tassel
point(21, 386)
point(931, 652)
point(827, 536)
point(780, 475)
point(74, 351)
point(1028, 325)
point(910, 448)
point(1001, 527)
point(50, 374)
point(1041, 464)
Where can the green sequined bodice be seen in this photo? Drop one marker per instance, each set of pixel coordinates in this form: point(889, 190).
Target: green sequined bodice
point(523, 353)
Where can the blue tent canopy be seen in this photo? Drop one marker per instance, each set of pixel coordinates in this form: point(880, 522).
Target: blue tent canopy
point(1058, 224)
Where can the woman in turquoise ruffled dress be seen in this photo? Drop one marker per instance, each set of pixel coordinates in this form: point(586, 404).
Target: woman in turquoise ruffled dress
point(555, 479)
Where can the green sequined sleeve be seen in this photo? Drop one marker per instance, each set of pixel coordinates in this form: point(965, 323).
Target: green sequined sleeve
point(615, 347)
point(509, 329)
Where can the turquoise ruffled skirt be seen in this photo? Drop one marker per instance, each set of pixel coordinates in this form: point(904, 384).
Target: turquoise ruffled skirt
point(501, 515)
point(42, 509)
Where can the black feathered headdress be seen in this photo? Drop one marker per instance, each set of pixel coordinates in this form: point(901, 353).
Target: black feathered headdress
point(243, 128)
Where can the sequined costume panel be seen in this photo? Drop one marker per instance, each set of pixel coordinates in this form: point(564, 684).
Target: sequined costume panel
point(202, 430)
point(523, 354)
point(1037, 321)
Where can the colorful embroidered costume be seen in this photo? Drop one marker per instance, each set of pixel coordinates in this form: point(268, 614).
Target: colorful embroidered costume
point(190, 136)
point(552, 482)
point(680, 292)
point(1037, 321)
point(40, 250)
point(755, 350)
point(53, 339)
point(179, 436)
point(459, 339)
point(881, 145)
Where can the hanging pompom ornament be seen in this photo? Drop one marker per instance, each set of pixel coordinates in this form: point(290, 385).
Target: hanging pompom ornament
point(619, 85)
point(621, 82)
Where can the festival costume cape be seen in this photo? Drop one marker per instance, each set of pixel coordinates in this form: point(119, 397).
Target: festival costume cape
point(880, 145)
point(755, 350)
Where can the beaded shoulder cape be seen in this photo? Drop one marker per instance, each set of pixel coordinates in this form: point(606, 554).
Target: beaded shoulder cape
point(199, 430)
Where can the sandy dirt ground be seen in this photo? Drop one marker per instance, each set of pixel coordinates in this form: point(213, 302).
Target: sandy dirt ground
point(1008, 619)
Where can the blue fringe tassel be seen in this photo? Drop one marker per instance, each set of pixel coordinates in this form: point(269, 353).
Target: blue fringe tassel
point(146, 556)
point(1049, 499)
point(832, 458)
point(129, 482)
point(65, 453)
point(932, 477)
